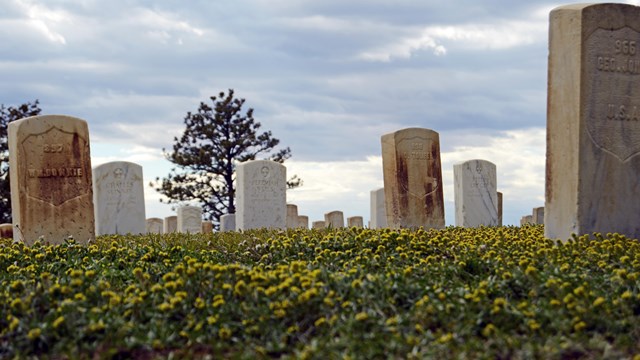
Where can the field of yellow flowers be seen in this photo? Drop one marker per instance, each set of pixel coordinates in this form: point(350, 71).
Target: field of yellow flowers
point(503, 292)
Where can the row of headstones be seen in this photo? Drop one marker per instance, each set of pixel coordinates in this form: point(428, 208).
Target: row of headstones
point(592, 167)
point(536, 218)
point(188, 220)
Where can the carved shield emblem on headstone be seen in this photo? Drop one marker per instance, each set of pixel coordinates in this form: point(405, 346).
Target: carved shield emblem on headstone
point(612, 75)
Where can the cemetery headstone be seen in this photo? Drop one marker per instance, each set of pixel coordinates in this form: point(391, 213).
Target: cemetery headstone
point(189, 219)
point(413, 179)
point(261, 195)
point(118, 198)
point(476, 197)
point(170, 224)
point(303, 221)
point(50, 171)
point(6, 231)
point(538, 215)
point(334, 219)
point(207, 227)
point(292, 216)
point(228, 222)
point(593, 121)
point(526, 220)
point(355, 221)
point(378, 218)
point(154, 225)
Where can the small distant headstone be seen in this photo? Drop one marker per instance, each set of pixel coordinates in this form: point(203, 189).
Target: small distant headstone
point(476, 197)
point(228, 222)
point(378, 213)
point(154, 225)
point(50, 171)
point(499, 208)
point(593, 121)
point(355, 221)
point(261, 195)
point(170, 224)
point(292, 216)
point(538, 215)
point(207, 227)
point(190, 219)
point(413, 179)
point(526, 220)
point(318, 224)
point(6, 231)
point(334, 219)
point(118, 198)
point(303, 221)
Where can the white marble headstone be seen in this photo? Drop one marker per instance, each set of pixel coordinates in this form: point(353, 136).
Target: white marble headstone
point(228, 222)
point(118, 198)
point(261, 195)
point(170, 224)
point(189, 219)
point(154, 225)
point(292, 216)
point(476, 197)
point(378, 212)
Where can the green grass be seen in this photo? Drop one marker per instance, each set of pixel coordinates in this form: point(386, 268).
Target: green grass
point(341, 293)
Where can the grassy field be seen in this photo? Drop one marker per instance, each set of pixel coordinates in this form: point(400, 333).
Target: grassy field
point(501, 292)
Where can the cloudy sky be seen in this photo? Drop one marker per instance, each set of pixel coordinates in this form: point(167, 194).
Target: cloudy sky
point(328, 78)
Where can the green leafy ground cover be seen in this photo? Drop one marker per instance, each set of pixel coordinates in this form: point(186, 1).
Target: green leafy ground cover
point(349, 293)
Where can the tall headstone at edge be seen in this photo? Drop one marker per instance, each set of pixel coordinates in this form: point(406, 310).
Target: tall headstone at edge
point(189, 219)
point(476, 197)
point(413, 179)
point(377, 207)
point(593, 121)
point(51, 184)
point(261, 195)
point(118, 198)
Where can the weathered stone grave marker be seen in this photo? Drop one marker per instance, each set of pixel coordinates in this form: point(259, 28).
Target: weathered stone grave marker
point(413, 179)
point(593, 123)
point(189, 219)
point(476, 197)
point(355, 221)
point(118, 198)
point(154, 225)
point(170, 224)
point(334, 219)
point(292, 216)
point(261, 196)
point(50, 170)
point(207, 227)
